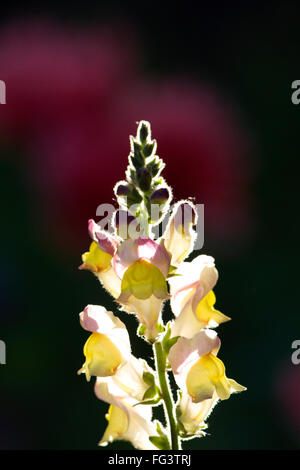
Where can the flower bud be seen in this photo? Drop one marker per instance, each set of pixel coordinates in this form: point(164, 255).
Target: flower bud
point(127, 194)
point(179, 236)
point(144, 131)
point(184, 217)
point(160, 196)
point(123, 189)
point(149, 149)
point(144, 179)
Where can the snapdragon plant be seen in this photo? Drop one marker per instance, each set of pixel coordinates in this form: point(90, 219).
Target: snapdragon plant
point(142, 272)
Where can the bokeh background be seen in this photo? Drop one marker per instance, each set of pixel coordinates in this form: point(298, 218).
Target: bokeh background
point(215, 83)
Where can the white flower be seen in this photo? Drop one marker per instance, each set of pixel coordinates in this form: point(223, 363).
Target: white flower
point(108, 347)
point(126, 421)
point(192, 298)
point(197, 370)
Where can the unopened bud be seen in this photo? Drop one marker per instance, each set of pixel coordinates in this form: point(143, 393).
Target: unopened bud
point(160, 196)
point(144, 132)
point(123, 189)
point(144, 179)
point(127, 193)
point(149, 149)
point(185, 216)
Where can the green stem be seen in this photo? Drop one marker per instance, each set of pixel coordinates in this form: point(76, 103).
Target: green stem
point(166, 394)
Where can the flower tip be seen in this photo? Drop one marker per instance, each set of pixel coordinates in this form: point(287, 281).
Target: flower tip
point(102, 443)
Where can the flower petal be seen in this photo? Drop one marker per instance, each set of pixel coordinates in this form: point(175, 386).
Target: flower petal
point(186, 352)
point(207, 376)
point(132, 424)
point(102, 357)
point(179, 236)
point(192, 416)
point(131, 251)
point(108, 347)
point(95, 260)
point(206, 313)
point(147, 312)
point(142, 279)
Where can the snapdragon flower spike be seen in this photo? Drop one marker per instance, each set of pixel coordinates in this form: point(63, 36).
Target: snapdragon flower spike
point(135, 270)
point(179, 237)
point(143, 266)
point(108, 347)
point(125, 421)
point(197, 370)
point(192, 297)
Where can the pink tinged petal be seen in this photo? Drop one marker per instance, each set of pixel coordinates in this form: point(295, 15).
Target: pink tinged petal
point(208, 277)
point(105, 240)
point(92, 229)
point(89, 318)
point(126, 255)
point(187, 351)
point(97, 319)
point(154, 253)
point(191, 273)
point(142, 248)
point(181, 297)
point(194, 280)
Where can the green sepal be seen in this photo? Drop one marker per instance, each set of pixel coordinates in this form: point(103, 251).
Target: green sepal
point(141, 330)
point(131, 174)
point(148, 402)
point(149, 149)
point(167, 341)
point(160, 328)
point(172, 272)
point(173, 275)
point(155, 166)
point(161, 441)
point(148, 378)
point(181, 428)
point(152, 392)
point(136, 162)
